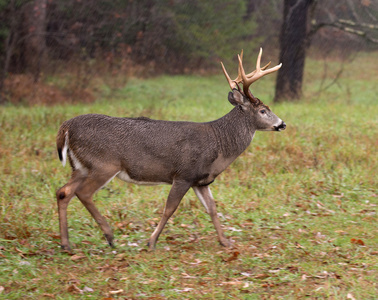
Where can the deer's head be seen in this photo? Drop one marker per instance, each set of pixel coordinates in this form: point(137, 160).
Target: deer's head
point(260, 114)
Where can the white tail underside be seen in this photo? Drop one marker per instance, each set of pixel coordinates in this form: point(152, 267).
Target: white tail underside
point(64, 150)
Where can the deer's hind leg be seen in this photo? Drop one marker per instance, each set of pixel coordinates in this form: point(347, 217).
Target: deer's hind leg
point(92, 183)
point(204, 195)
point(64, 196)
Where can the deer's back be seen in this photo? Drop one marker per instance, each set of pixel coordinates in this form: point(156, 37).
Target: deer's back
point(143, 148)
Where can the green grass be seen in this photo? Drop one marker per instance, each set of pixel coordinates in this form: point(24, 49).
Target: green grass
point(300, 205)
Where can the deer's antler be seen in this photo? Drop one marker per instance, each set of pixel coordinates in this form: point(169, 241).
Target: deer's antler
point(248, 79)
point(233, 83)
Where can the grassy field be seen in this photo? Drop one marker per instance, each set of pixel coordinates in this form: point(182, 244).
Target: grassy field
point(300, 205)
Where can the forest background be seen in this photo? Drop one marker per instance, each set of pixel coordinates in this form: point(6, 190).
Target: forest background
point(42, 40)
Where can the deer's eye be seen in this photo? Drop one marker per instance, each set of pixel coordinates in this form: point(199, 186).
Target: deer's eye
point(262, 111)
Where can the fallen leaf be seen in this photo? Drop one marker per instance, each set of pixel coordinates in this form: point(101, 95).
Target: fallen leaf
point(274, 271)
point(54, 236)
point(187, 276)
point(183, 290)
point(132, 244)
point(234, 256)
point(74, 289)
point(233, 229)
point(148, 281)
point(116, 292)
point(87, 242)
point(338, 196)
point(350, 296)
point(197, 262)
point(87, 289)
point(77, 257)
point(262, 276)
point(232, 282)
point(357, 242)
point(18, 250)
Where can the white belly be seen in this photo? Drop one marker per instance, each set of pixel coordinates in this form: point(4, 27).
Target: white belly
point(125, 177)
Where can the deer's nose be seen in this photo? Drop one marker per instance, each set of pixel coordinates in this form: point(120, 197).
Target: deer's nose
point(280, 127)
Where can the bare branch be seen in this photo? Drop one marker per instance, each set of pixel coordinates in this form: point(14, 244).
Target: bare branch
point(340, 24)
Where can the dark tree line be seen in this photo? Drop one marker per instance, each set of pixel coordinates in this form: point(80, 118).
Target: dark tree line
point(171, 35)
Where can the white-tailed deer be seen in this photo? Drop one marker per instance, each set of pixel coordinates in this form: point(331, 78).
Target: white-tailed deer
point(144, 151)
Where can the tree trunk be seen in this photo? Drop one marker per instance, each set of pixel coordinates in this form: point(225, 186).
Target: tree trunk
point(293, 44)
point(35, 40)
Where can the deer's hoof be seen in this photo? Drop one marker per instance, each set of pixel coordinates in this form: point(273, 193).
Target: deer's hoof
point(66, 249)
point(226, 243)
point(109, 238)
point(151, 246)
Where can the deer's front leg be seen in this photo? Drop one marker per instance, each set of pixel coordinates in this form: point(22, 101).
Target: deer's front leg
point(177, 192)
point(204, 195)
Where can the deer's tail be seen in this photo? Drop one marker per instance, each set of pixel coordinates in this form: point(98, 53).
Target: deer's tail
point(62, 143)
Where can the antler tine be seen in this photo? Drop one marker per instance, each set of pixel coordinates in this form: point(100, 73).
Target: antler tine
point(230, 82)
point(233, 83)
point(257, 74)
point(253, 72)
point(260, 72)
point(244, 77)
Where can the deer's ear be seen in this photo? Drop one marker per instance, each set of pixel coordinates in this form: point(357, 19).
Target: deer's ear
point(237, 98)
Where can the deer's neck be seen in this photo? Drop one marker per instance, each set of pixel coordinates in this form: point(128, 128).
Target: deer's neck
point(234, 132)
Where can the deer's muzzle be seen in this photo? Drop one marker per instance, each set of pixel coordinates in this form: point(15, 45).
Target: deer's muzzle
point(280, 127)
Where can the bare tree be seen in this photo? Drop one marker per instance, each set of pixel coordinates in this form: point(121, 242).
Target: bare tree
point(293, 44)
point(358, 18)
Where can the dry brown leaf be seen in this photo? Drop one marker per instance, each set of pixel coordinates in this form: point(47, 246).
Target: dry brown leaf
point(187, 276)
point(262, 276)
point(74, 289)
point(232, 282)
point(357, 242)
point(234, 256)
point(77, 257)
